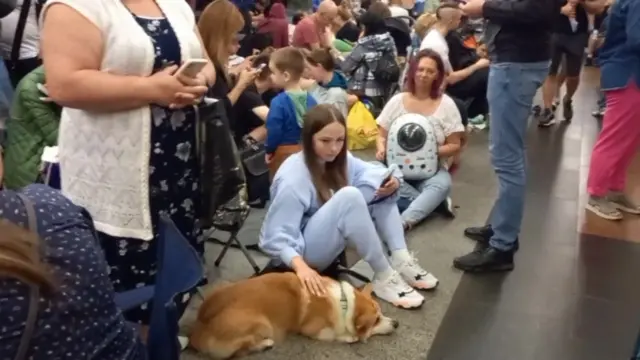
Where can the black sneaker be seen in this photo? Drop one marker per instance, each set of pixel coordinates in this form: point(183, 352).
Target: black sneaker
point(485, 259)
point(567, 109)
point(482, 234)
point(547, 118)
point(599, 114)
point(479, 233)
point(536, 110)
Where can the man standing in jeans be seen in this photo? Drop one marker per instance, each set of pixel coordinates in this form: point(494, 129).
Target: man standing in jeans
point(517, 35)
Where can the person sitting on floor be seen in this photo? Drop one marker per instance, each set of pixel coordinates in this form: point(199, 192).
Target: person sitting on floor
point(325, 199)
point(311, 32)
point(252, 107)
point(62, 266)
point(344, 27)
point(375, 44)
point(324, 83)
point(468, 79)
point(424, 97)
point(284, 121)
point(276, 25)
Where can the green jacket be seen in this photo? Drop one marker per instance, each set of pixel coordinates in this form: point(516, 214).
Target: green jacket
point(32, 125)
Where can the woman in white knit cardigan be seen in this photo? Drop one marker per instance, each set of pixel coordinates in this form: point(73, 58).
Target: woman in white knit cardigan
point(127, 134)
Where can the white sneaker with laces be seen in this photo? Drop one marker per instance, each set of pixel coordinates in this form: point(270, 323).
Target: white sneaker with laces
point(397, 292)
point(415, 275)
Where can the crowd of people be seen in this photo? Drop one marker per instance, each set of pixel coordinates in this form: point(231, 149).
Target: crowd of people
point(101, 82)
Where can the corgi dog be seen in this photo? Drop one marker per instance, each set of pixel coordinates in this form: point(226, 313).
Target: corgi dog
point(255, 314)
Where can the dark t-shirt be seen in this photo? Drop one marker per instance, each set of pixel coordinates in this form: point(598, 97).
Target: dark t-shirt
point(220, 90)
point(460, 56)
point(245, 119)
point(349, 32)
point(563, 24)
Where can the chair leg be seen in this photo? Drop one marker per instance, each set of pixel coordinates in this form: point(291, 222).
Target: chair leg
point(226, 247)
point(245, 251)
point(234, 239)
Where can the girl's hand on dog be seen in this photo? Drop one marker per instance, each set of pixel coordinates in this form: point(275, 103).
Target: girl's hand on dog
point(312, 281)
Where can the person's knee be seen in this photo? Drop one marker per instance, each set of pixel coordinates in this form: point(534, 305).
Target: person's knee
point(505, 161)
point(443, 182)
point(351, 196)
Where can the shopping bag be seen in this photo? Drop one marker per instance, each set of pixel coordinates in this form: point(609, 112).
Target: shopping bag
point(362, 129)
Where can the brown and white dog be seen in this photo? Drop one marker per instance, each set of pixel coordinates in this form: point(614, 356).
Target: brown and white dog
point(254, 314)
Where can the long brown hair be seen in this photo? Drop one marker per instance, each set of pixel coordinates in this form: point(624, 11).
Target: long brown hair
point(20, 257)
point(331, 176)
point(219, 23)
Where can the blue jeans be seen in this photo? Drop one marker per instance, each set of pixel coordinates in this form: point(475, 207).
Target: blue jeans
point(425, 196)
point(510, 93)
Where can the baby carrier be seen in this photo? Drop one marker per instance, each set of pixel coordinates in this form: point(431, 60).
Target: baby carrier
point(413, 147)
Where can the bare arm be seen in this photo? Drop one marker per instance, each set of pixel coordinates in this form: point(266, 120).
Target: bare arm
point(381, 140)
point(72, 50)
point(452, 145)
point(460, 75)
point(262, 112)
point(236, 92)
point(594, 7)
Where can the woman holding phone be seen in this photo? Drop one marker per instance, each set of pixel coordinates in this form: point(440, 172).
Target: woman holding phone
point(127, 137)
point(324, 199)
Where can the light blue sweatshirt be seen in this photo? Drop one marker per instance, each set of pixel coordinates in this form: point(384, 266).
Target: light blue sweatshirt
point(294, 201)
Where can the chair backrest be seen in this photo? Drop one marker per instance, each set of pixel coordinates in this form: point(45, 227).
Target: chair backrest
point(180, 269)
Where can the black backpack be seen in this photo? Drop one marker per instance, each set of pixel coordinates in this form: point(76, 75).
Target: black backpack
point(387, 71)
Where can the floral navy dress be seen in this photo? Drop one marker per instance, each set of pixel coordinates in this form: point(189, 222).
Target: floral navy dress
point(173, 181)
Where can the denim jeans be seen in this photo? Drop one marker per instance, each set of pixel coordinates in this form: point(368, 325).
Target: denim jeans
point(425, 195)
point(510, 93)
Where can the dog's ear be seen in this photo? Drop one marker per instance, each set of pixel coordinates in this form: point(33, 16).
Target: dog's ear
point(367, 289)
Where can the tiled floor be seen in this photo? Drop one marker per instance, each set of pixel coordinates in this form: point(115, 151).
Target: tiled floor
point(571, 295)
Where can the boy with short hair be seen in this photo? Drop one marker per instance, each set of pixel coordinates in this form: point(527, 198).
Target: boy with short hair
point(287, 109)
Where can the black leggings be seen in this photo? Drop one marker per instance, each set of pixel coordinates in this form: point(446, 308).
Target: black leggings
point(21, 68)
point(473, 89)
point(462, 109)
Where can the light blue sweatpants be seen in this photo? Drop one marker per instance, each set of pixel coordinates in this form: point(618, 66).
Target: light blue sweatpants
point(348, 219)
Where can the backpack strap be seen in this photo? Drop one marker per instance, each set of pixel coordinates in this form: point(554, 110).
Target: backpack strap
point(19, 35)
point(34, 297)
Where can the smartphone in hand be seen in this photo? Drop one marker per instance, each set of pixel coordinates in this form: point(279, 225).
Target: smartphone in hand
point(192, 67)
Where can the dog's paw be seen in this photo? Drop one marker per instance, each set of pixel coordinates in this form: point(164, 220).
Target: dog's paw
point(266, 344)
point(348, 339)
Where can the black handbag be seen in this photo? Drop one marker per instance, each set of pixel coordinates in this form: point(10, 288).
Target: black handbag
point(256, 171)
point(222, 179)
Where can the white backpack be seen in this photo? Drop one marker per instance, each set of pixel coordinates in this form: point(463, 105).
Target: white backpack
point(413, 147)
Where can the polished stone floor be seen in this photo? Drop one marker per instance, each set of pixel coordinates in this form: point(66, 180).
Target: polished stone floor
point(571, 296)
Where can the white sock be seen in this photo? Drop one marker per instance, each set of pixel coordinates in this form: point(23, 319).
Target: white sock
point(400, 256)
point(384, 275)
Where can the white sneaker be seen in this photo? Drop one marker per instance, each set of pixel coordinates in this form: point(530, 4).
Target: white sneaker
point(397, 292)
point(415, 275)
